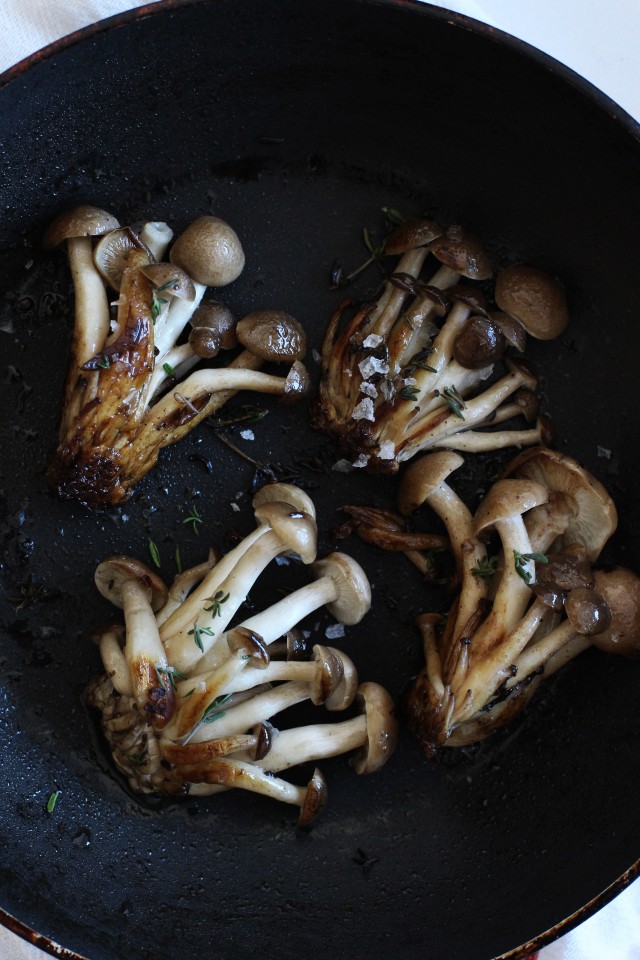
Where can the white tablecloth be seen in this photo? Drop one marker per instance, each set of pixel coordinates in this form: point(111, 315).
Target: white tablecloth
point(598, 40)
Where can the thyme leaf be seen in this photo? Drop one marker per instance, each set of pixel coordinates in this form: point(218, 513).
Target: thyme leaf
point(197, 633)
point(520, 559)
point(216, 603)
point(194, 518)
point(486, 568)
point(169, 674)
point(455, 401)
point(155, 553)
point(51, 802)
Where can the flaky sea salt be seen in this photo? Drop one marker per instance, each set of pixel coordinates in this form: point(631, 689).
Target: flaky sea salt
point(334, 631)
point(247, 435)
point(364, 410)
point(368, 389)
point(373, 340)
point(387, 450)
point(361, 462)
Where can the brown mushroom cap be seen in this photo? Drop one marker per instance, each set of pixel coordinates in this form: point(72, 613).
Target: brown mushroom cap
point(172, 279)
point(215, 320)
point(593, 516)
point(252, 646)
point(512, 330)
point(423, 476)
point(272, 335)
point(209, 250)
point(315, 800)
point(382, 728)
point(354, 591)
point(534, 298)
point(327, 675)
point(462, 253)
point(297, 383)
point(344, 693)
point(506, 499)
point(295, 528)
point(479, 344)
point(621, 589)
point(114, 572)
point(412, 234)
point(82, 221)
point(113, 253)
point(588, 611)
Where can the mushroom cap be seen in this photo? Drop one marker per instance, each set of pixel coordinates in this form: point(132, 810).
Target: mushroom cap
point(593, 515)
point(294, 528)
point(506, 499)
point(315, 799)
point(173, 280)
point(345, 692)
point(285, 493)
point(82, 221)
point(512, 330)
point(297, 382)
point(113, 253)
point(534, 298)
point(114, 572)
point(479, 343)
point(217, 317)
point(423, 476)
point(272, 335)
point(209, 250)
point(328, 674)
point(588, 611)
point(463, 253)
point(412, 234)
point(621, 589)
point(240, 639)
point(354, 591)
point(382, 728)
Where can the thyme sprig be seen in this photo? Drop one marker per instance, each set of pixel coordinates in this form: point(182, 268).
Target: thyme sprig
point(168, 675)
point(486, 568)
point(216, 603)
point(155, 553)
point(157, 302)
point(197, 633)
point(194, 518)
point(455, 401)
point(520, 559)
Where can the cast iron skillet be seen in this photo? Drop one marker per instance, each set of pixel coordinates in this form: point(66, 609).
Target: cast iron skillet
point(297, 124)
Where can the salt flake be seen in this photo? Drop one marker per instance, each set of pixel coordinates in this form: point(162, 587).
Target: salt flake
point(364, 410)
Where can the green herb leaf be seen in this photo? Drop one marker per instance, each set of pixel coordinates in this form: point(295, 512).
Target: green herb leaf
point(170, 674)
point(155, 553)
point(213, 712)
point(486, 568)
point(216, 603)
point(455, 401)
point(197, 634)
point(520, 559)
point(168, 369)
point(409, 393)
point(178, 560)
point(194, 518)
point(51, 802)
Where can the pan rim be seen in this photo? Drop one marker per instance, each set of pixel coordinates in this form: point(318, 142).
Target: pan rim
point(586, 88)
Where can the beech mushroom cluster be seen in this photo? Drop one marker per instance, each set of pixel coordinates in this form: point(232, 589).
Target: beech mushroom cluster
point(418, 368)
point(191, 687)
point(125, 398)
point(523, 611)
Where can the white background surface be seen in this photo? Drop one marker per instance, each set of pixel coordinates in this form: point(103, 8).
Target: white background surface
point(599, 40)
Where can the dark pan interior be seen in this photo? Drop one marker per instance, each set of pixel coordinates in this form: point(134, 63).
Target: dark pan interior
point(297, 123)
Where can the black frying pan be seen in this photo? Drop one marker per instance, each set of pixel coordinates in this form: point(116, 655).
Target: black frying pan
point(298, 123)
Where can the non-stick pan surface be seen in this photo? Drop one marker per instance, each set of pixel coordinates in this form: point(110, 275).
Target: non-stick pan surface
point(298, 122)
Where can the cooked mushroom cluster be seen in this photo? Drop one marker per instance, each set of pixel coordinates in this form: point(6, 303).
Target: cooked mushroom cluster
point(191, 689)
point(522, 610)
point(125, 398)
point(430, 363)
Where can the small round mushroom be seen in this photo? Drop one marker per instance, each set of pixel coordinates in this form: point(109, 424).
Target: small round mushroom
point(285, 493)
point(114, 574)
point(209, 250)
point(213, 328)
point(347, 584)
point(621, 590)
point(587, 611)
point(534, 298)
point(462, 253)
point(171, 280)
point(272, 335)
point(82, 221)
point(480, 344)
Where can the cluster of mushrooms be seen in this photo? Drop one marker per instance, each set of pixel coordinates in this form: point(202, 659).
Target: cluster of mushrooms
point(524, 606)
point(191, 688)
point(135, 293)
point(416, 369)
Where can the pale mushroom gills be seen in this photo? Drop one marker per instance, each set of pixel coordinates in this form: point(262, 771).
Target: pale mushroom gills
point(192, 684)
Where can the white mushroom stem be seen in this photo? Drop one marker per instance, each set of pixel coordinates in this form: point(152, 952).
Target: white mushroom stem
point(247, 776)
point(246, 715)
point(211, 381)
point(541, 652)
point(182, 586)
point(174, 364)
point(547, 522)
point(143, 647)
point(316, 741)
point(183, 617)
point(276, 620)
point(438, 426)
point(476, 441)
point(172, 321)
point(182, 649)
point(426, 624)
point(386, 311)
point(114, 661)
point(411, 333)
point(91, 325)
point(156, 236)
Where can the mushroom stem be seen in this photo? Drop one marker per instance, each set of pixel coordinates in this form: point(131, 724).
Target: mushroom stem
point(254, 710)
point(156, 236)
point(143, 647)
point(314, 742)
point(182, 586)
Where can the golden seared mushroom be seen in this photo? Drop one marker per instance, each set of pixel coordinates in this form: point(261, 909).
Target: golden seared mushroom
point(202, 724)
point(394, 383)
point(387, 530)
point(528, 609)
point(125, 398)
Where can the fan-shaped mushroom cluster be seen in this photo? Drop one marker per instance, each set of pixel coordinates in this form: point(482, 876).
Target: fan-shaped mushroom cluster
point(124, 400)
point(522, 612)
point(191, 688)
point(416, 369)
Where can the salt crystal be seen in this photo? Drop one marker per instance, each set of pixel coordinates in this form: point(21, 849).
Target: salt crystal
point(373, 340)
point(247, 434)
point(387, 450)
point(368, 389)
point(342, 466)
point(603, 452)
point(364, 410)
point(235, 507)
point(362, 461)
point(334, 631)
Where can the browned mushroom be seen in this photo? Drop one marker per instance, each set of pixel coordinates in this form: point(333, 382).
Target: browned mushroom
point(534, 298)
